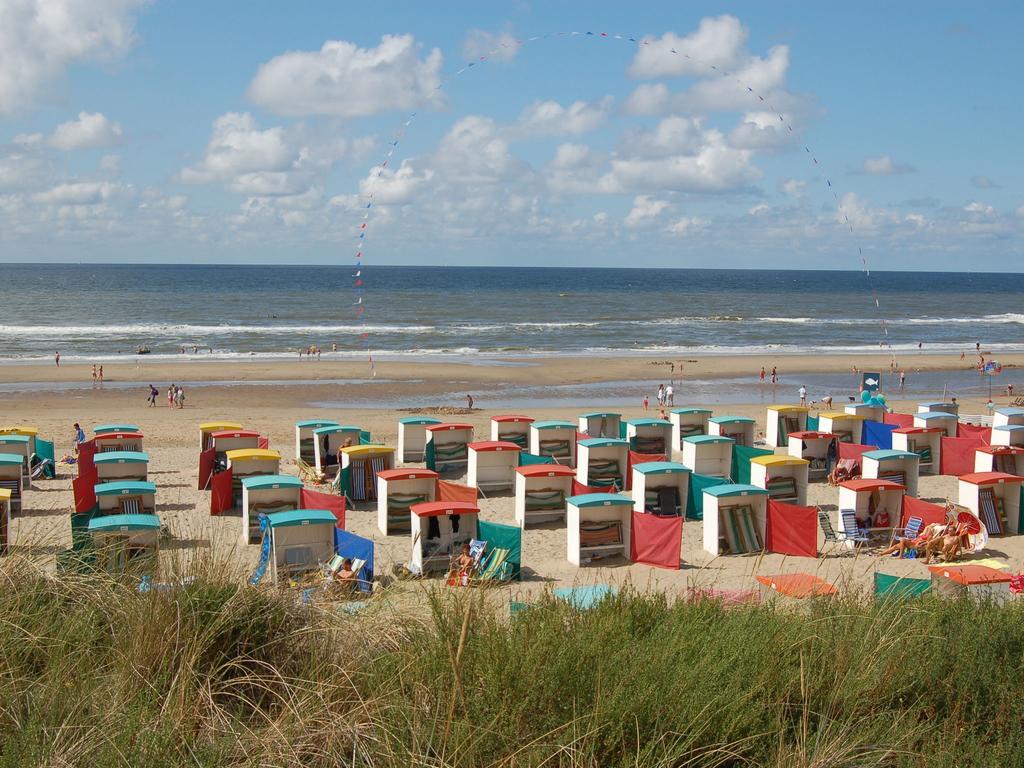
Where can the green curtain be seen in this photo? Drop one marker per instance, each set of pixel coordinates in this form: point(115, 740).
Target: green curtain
point(429, 456)
point(695, 500)
point(364, 437)
point(812, 423)
point(508, 537)
point(525, 459)
point(344, 480)
point(896, 586)
point(622, 430)
point(44, 450)
point(741, 456)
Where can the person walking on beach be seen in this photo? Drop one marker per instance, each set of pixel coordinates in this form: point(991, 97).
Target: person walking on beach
point(79, 436)
point(762, 375)
point(153, 392)
point(469, 400)
point(56, 358)
point(903, 380)
point(661, 394)
point(803, 395)
point(179, 395)
point(101, 375)
point(94, 375)
point(775, 375)
point(670, 395)
point(170, 396)
point(647, 404)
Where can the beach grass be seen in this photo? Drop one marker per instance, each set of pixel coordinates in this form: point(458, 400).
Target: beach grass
point(94, 673)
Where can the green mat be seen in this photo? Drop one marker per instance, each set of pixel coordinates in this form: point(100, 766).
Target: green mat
point(887, 585)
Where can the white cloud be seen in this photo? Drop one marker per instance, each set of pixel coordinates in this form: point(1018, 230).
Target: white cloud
point(89, 131)
point(647, 99)
point(78, 193)
point(671, 136)
point(1020, 212)
point(395, 187)
point(760, 130)
point(794, 187)
point(884, 166)
point(39, 39)
point(759, 209)
point(500, 46)
point(980, 210)
point(687, 225)
point(473, 152)
point(111, 165)
point(645, 209)
point(718, 41)
point(238, 147)
point(343, 79)
point(24, 168)
point(549, 118)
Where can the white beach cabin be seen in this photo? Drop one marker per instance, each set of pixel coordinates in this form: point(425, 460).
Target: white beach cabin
point(511, 429)
point(126, 497)
point(121, 465)
point(447, 446)
point(926, 442)
point(439, 529)
point(10, 479)
point(735, 519)
point(301, 542)
point(708, 455)
point(232, 440)
point(977, 582)
point(554, 439)
point(117, 441)
point(541, 491)
point(397, 491)
point(327, 441)
point(739, 429)
point(1008, 434)
point(812, 446)
point(944, 421)
point(650, 436)
point(360, 464)
point(26, 431)
point(784, 477)
point(250, 462)
point(304, 450)
point(994, 498)
point(1005, 416)
point(602, 461)
point(877, 504)
point(598, 525)
point(847, 427)
point(1000, 458)
point(492, 465)
point(660, 488)
point(601, 424)
point(781, 421)
point(939, 406)
point(412, 437)
point(867, 411)
point(687, 422)
point(206, 429)
point(890, 464)
point(18, 445)
point(267, 494)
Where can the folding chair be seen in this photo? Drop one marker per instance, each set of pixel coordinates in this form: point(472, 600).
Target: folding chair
point(839, 540)
point(912, 530)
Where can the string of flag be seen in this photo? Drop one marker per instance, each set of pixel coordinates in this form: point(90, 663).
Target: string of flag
point(378, 170)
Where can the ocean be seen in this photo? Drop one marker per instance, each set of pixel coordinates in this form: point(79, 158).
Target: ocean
point(104, 312)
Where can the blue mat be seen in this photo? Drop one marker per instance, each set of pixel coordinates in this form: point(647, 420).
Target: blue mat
point(584, 598)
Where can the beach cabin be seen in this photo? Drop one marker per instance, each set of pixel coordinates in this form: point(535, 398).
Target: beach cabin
point(511, 429)
point(267, 494)
point(735, 519)
point(121, 465)
point(5, 520)
point(105, 429)
point(126, 543)
point(812, 446)
point(739, 429)
point(301, 542)
point(1008, 434)
point(118, 441)
point(847, 427)
point(126, 497)
point(867, 411)
point(554, 439)
point(601, 424)
point(492, 465)
point(602, 461)
point(794, 586)
point(944, 421)
point(541, 491)
point(708, 455)
point(30, 432)
point(359, 467)
point(10, 479)
point(926, 442)
point(598, 525)
point(250, 462)
point(397, 491)
point(327, 441)
point(1003, 417)
point(687, 422)
point(898, 466)
point(1000, 458)
point(304, 440)
point(232, 440)
point(650, 436)
point(994, 498)
point(19, 445)
point(439, 529)
point(660, 488)
point(781, 421)
point(412, 437)
point(877, 506)
point(784, 477)
point(939, 406)
point(978, 582)
point(208, 428)
point(447, 446)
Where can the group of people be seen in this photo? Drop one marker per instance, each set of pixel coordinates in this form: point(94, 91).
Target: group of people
point(934, 540)
point(666, 397)
point(97, 375)
point(175, 396)
point(763, 374)
point(314, 351)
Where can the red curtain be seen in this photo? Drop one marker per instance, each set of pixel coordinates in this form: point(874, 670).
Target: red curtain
point(639, 458)
point(264, 443)
point(928, 512)
point(449, 491)
point(972, 430)
point(899, 419)
point(958, 454)
point(578, 488)
point(854, 451)
point(84, 488)
point(221, 497)
point(792, 529)
point(86, 451)
point(656, 540)
point(206, 459)
point(315, 500)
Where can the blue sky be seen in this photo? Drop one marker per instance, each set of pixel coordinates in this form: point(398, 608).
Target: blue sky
point(249, 132)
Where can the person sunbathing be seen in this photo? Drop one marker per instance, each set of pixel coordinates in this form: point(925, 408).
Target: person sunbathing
point(346, 578)
point(922, 543)
point(462, 567)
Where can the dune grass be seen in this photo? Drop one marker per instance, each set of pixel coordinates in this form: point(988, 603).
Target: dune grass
point(93, 673)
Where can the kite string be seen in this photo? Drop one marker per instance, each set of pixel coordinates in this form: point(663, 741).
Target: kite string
point(378, 170)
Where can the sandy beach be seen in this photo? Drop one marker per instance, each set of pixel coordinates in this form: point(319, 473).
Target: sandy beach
point(273, 408)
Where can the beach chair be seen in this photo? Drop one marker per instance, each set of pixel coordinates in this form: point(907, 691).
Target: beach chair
point(839, 540)
point(912, 531)
point(308, 473)
point(850, 523)
point(493, 568)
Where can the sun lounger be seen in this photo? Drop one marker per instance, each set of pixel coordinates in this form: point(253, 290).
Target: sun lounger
point(308, 473)
point(781, 488)
point(741, 535)
point(991, 509)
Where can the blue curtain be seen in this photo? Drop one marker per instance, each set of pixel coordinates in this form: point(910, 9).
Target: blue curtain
point(878, 434)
